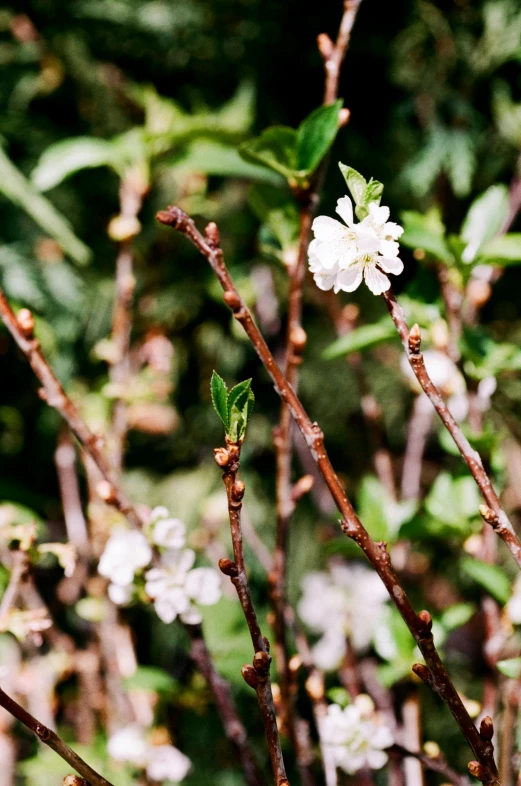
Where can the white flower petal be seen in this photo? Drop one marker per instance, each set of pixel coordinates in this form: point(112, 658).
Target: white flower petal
point(325, 280)
point(389, 248)
point(166, 763)
point(391, 265)
point(326, 228)
point(192, 616)
point(120, 595)
point(376, 759)
point(330, 253)
point(376, 280)
point(348, 280)
point(344, 208)
point(204, 586)
point(379, 215)
point(392, 230)
point(129, 745)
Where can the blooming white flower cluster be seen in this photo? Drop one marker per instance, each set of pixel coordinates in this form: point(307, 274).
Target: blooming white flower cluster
point(161, 762)
point(341, 255)
point(173, 584)
point(355, 738)
point(347, 601)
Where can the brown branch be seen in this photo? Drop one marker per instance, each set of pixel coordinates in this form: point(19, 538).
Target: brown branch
point(334, 54)
point(494, 515)
point(21, 327)
point(376, 553)
point(256, 676)
point(220, 688)
point(435, 764)
point(50, 738)
point(418, 430)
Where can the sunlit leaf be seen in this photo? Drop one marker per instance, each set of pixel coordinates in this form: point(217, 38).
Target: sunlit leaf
point(219, 393)
point(315, 135)
point(364, 337)
point(490, 577)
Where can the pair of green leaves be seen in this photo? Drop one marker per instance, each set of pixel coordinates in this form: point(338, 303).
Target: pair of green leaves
point(233, 406)
point(296, 153)
point(363, 192)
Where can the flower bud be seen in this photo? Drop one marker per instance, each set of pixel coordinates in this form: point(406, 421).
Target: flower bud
point(237, 490)
point(25, 322)
point(488, 515)
point(298, 339)
point(425, 622)
point(221, 456)
point(422, 672)
point(106, 491)
point(211, 234)
point(343, 117)
point(261, 663)
point(250, 676)
point(228, 567)
point(486, 728)
point(414, 339)
point(325, 45)
point(476, 770)
point(232, 300)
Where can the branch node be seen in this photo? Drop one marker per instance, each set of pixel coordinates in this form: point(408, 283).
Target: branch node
point(250, 676)
point(232, 300)
point(172, 217)
point(415, 340)
point(212, 236)
point(25, 322)
point(486, 729)
point(424, 623)
point(222, 457)
point(237, 491)
point(228, 567)
point(261, 663)
point(298, 338)
point(489, 516)
point(423, 673)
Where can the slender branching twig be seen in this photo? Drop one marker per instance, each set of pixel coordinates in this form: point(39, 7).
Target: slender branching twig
point(51, 739)
point(420, 625)
point(257, 676)
point(492, 512)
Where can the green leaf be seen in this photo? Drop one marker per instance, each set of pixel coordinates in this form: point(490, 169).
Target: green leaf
point(511, 667)
point(276, 208)
point(504, 250)
point(19, 190)
point(364, 337)
point(240, 405)
point(457, 615)
point(315, 136)
point(363, 193)
point(219, 393)
point(485, 218)
point(150, 678)
point(426, 231)
point(490, 577)
point(453, 501)
point(356, 183)
point(65, 158)
point(216, 158)
point(274, 148)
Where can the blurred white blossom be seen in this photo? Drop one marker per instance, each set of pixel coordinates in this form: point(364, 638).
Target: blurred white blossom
point(514, 604)
point(165, 530)
point(355, 739)
point(125, 553)
point(342, 254)
point(175, 587)
point(446, 376)
point(347, 601)
point(161, 762)
point(166, 763)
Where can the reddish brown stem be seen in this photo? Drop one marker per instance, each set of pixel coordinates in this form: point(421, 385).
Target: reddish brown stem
point(257, 676)
point(50, 738)
point(232, 724)
point(53, 393)
point(435, 674)
point(411, 341)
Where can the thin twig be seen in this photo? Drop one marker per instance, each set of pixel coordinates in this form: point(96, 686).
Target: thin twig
point(493, 513)
point(420, 625)
point(418, 430)
point(21, 327)
point(50, 738)
point(257, 676)
point(19, 573)
point(220, 688)
point(436, 764)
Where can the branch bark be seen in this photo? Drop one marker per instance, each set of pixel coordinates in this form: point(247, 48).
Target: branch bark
point(50, 738)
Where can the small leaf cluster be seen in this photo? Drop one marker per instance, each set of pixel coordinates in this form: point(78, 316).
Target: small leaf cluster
point(233, 406)
point(363, 192)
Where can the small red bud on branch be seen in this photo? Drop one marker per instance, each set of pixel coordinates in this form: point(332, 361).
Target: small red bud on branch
point(486, 728)
point(228, 567)
point(250, 676)
point(25, 322)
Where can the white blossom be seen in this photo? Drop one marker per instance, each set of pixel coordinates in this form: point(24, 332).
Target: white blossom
point(129, 744)
point(174, 587)
point(342, 254)
point(120, 595)
point(165, 530)
point(166, 763)
point(125, 553)
point(346, 601)
point(162, 762)
point(355, 741)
